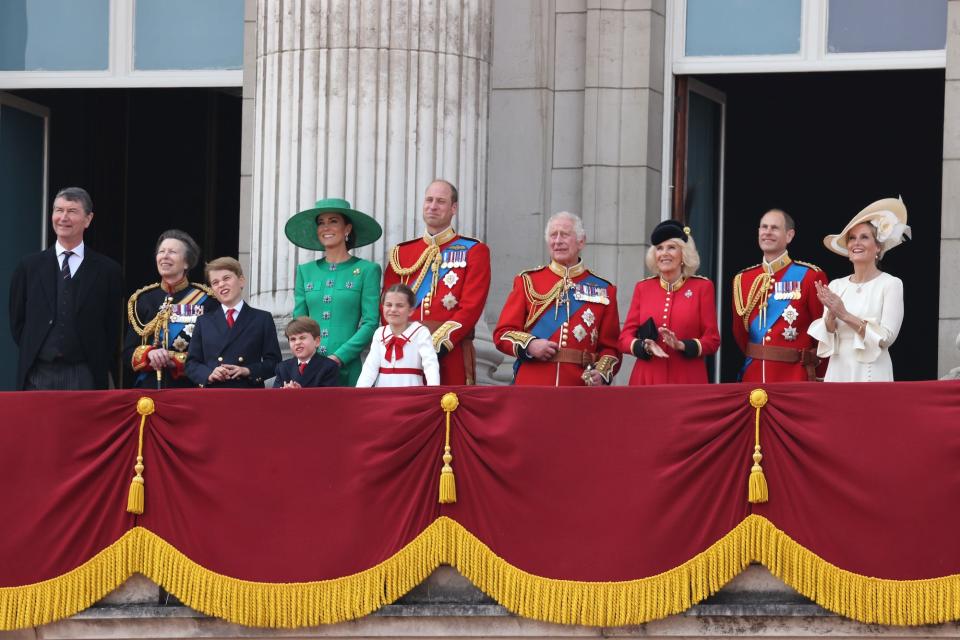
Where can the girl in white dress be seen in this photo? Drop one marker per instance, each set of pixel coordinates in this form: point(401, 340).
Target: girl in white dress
point(863, 312)
point(401, 352)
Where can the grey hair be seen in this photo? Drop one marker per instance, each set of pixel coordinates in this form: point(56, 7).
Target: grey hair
point(192, 249)
point(76, 194)
point(688, 254)
point(566, 215)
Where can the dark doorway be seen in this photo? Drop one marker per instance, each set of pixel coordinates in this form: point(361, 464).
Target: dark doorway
point(822, 146)
point(151, 159)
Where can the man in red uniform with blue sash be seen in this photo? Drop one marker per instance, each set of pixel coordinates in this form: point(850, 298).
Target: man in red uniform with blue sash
point(561, 321)
point(773, 304)
point(450, 275)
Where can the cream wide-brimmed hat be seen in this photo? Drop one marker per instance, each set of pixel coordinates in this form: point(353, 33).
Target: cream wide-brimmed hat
point(888, 216)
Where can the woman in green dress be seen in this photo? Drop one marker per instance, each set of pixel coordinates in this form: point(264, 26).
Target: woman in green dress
point(340, 291)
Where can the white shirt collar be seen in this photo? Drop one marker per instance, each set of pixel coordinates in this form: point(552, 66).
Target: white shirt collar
point(238, 307)
point(77, 250)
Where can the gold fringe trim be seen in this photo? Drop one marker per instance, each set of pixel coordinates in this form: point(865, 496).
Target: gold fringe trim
point(42, 602)
point(631, 602)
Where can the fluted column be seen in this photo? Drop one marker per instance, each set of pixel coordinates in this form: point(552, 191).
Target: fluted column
point(369, 101)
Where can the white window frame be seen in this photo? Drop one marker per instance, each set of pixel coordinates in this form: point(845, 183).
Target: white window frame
point(120, 72)
point(812, 56)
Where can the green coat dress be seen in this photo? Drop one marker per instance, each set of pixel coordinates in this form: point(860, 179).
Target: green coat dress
point(344, 298)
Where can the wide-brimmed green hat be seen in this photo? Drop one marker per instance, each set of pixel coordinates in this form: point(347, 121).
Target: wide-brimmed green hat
point(301, 229)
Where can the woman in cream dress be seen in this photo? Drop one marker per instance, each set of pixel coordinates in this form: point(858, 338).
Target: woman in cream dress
point(863, 311)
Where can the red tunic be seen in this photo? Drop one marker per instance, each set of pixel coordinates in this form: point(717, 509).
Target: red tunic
point(592, 328)
point(455, 302)
point(690, 312)
point(745, 309)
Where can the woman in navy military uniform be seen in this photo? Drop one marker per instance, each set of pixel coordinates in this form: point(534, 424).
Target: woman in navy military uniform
point(162, 315)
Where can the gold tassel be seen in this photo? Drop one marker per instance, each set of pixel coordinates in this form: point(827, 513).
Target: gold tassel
point(448, 486)
point(135, 499)
point(757, 490)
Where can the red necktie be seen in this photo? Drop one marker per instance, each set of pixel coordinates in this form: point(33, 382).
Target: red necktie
point(303, 365)
point(230, 313)
point(395, 347)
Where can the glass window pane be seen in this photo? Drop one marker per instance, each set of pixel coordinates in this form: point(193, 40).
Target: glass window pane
point(54, 35)
point(886, 25)
point(743, 27)
point(189, 34)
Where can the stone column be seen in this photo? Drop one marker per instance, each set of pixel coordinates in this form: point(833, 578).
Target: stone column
point(369, 101)
point(622, 136)
point(948, 357)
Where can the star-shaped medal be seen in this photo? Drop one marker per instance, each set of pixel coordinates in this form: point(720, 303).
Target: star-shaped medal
point(579, 333)
point(790, 333)
point(588, 318)
point(790, 315)
point(450, 279)
point(449, 301)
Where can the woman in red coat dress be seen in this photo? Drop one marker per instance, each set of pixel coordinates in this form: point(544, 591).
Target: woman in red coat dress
point(672, 323)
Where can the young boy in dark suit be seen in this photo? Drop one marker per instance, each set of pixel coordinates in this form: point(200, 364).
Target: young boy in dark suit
point(305, 368)
point(235, 346)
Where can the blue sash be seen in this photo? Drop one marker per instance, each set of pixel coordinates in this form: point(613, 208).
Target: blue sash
point(447, 256)
point(546, 325)
point(775, 308)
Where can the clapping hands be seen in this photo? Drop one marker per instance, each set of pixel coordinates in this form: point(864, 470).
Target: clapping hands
point(830, 300)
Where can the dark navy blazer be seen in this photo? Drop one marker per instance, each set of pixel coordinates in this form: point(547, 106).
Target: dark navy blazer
point(97, 306)
point(319, 372)
point(251, 342)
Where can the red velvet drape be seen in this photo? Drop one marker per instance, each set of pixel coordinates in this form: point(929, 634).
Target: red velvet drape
point(592, 484)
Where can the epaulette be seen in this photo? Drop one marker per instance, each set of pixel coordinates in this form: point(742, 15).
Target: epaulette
point(609, 283)
point(533, 270)
point(406, 242)
point(474, 239)
point(207, 290)
point(136, 294)
point(753, 266)
point(700, 277)
point(648, 278)
point(809, 264)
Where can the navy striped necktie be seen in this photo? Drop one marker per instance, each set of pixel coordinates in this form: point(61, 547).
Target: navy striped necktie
point(65, 267)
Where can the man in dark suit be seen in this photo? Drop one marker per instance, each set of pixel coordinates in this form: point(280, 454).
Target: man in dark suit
point(304, 369)
point(236, 346)
point(66, 306)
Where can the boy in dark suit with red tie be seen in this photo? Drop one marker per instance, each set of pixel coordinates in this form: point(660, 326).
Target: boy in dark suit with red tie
point(235, 346)
point(305, 368)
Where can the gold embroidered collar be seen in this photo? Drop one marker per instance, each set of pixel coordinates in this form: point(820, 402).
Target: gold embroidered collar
point(779, 263)
point(670, 287)
point(567, 272)
point(441, 238)
point(177, 288)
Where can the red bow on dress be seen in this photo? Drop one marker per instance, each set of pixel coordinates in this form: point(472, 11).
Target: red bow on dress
point(395, 347)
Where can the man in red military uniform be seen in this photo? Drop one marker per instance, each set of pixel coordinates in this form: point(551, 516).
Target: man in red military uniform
point(561, 321)
point(773, 304)
point(450, 275)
